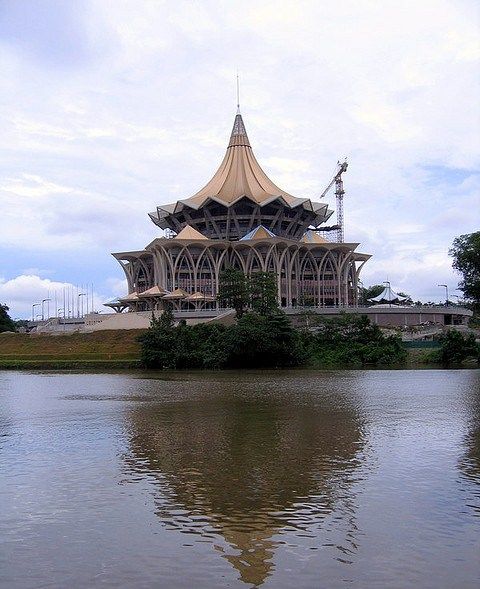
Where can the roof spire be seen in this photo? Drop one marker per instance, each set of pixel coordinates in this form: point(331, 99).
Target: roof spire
point(238, 94)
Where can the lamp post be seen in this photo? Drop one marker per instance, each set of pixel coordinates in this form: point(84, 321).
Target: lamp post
point(43, 309)
point(33, 310)
point(80, 294)
point(446, 293)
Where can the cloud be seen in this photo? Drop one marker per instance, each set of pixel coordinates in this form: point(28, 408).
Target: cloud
point(137, 109)
point(23, 291)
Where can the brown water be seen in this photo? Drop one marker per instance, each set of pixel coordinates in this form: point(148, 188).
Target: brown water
point(298, 479)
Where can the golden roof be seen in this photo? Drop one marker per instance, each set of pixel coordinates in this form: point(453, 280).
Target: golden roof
point(259, 232)
point(155, 291)
point(188, 232)
point(178, 293)
point(240, 175)
point(199, 296)
point(133, 296)
point(313, 237)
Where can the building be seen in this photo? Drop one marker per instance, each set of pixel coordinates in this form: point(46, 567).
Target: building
point(240, 219)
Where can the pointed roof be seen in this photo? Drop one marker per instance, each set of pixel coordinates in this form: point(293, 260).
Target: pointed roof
point(199, 296)
point(133, 296)
point(240, 175)
point(388, 295)
point(313, 237)
point(188, 232)
point(239, 133)
point(155, 291)
point(178, 293)
point(260, 232)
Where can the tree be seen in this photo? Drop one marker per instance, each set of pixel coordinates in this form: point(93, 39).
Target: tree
point(465, 252)
point(259, 341)
point(233, 290)
point(6, 323)
point(263, 293)
point(258, 291)
point(369, 292)
point(158, 343)
point(457, 347)
point(353, 340)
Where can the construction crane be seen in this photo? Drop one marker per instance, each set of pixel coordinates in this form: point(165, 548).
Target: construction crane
point(339, 192)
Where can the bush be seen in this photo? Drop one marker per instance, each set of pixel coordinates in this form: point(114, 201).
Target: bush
point(267, 341)
point(352, 340)
point(255, 341)
point(456, 348)
point(259, 341)
point(6, 323)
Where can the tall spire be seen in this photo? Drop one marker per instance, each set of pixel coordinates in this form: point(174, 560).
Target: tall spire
point(239, 134)
point(238, 94)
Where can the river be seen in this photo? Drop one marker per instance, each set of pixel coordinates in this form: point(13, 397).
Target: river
point(299, 479)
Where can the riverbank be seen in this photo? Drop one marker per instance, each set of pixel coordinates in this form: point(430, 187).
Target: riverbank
point(101, 349)
point(97, 350)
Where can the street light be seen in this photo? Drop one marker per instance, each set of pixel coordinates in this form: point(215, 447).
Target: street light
point(80, 294)
point(43, 311)
point(33, 310)
point(446, 293)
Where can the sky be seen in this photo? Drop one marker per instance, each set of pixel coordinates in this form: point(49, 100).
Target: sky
point(112, 107)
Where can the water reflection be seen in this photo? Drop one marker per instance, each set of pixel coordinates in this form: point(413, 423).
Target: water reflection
point(248, 466)
point(470, 463)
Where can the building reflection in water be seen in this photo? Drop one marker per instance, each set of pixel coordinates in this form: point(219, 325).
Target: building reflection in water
point(470, 463)
point(249, 468)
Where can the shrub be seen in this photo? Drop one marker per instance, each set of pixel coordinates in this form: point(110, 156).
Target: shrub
point(456, 348)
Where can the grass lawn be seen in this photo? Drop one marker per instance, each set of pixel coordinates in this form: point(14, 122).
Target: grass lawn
point(77, 350)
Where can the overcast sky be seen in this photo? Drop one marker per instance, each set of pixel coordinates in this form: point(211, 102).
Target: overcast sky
point(109, 108)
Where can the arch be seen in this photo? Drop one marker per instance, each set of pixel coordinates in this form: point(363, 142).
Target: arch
point(307, 280)
point(205, 273)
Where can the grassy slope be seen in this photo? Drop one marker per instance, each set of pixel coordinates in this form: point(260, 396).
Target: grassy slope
point(98, 349)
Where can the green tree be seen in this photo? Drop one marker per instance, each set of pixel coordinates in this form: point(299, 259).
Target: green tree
point(233, 290)
point(370, 292)
point(457, 347)
point(159, 342)
point(259, 341)
point(6, 323)
point(263, 293)
point(466, 261)
point(353, 340)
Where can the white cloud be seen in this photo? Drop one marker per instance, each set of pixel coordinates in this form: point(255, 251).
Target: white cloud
point(23, 291)
point(136, 112)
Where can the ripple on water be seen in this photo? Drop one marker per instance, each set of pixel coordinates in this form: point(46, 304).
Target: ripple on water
point(245, 479)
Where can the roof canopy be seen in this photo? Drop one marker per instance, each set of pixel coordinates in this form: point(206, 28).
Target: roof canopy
point(178, 293)
point(188, 232)
point(239, 176)
point(155, 291)
point(313, 237)
point(259, 232)
point(388, 296)
point(199, 296)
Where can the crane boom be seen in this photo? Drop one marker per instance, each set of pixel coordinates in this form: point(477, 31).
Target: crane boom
point(339, 193)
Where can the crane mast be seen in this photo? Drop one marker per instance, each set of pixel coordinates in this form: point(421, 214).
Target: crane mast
point(339, 193)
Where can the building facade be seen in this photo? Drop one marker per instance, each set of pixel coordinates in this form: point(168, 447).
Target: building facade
point(240, 219)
